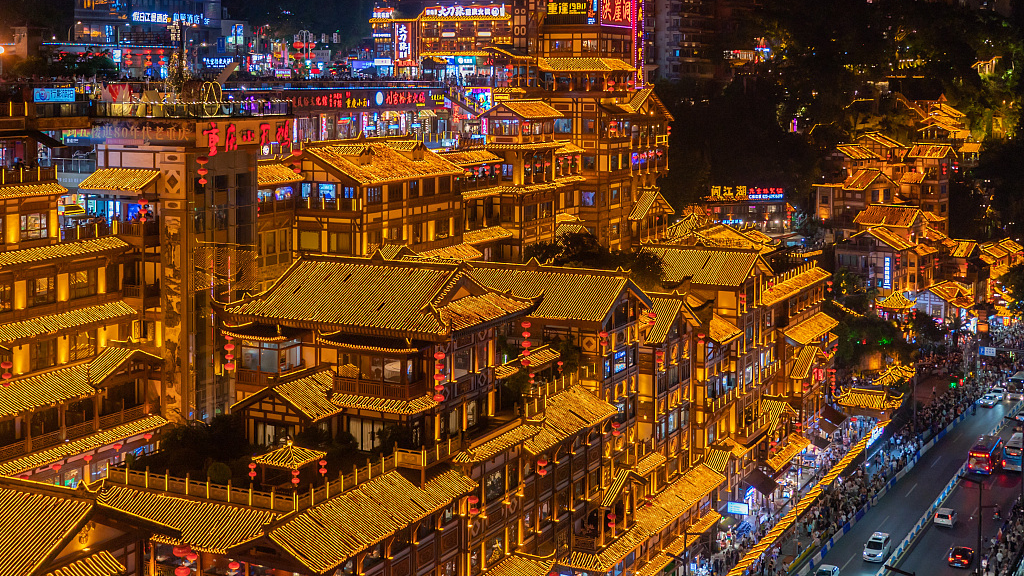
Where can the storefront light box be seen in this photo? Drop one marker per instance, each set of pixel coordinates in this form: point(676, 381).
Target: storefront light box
point(737, 508)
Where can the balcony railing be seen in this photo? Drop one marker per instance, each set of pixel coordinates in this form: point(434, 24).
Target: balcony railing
point(73, 165)
point(338, 204)
point(380, 389)
point(27, 175)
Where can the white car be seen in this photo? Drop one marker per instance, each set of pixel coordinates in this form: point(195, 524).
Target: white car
point(998, 391)
point(945, 517)
point(827, 570)
point(989, 400)
point(877, 548)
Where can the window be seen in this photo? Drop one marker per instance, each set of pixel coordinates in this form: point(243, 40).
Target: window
point(33, 226)
point(824, 199)
point(444, 185)
point(328, 191)
point(530, 213)
point(269, 244)
point(615, 195)
point(414, 188)
point(462, 363)
point(441, 228)
point(339, 242)
point(374, 195)
point(81, 345)
point(42, 291)
point(561, 45)
point(563, 125)
point(284, 238)
point(588, 126)
point(42, 354)
point(587, 198)
point(614, 162)
point(590, 46)
point(309, 240)
point(6, 297)
point(545, 209)
point(589, 163)
point(348, 192)
point(494, 485)
point(506, 171)
point(394, 192)
point(428, 186)
point(83, 283)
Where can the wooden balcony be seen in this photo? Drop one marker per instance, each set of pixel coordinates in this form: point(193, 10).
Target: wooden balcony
point(75, 431)
point(380, 389)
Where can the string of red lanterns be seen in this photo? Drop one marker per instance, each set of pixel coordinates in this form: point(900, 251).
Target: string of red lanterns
point(230, 356)
point(439, 377)
point(202, 160)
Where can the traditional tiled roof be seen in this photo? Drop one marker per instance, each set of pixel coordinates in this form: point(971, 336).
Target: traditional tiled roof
point(912, 178)
point(793, 445)
point(385, 298)
point(679, 545)
point(569, 293)
point(387, 406)
point(555, 184)
point(497, 445)
point(614, 490)
point(738, 450)
point(953, 292)
point(869, 399)
point(609, 556)
point(717, 458)
point(111, 358)
point(69, 250)
point(326, 535)
point(27, 190)
point(861, 179)
point(101, 313)
point(566, 413)
point(895, 301)
point(650, 198)
point(649, 463)
point(42, 389)
point(120, 179)
point(963, 248)
point(583, 65)
point(970, 148)
point(569, 148)
point(470, 157)
point(35, 524)
point(893, 375)
point(635, 101)
point(930, 151)
point(924, 250)
point(529, 109)
point(539, 357)
point(205, 526)
point(857, 152)
point(485, 235)
point(518, 565)
point(772, 408)
point(802, 364)
point(791, 285)
point(708, 266)
point(723, 331)
point(882, 139)
point(888, 215)
point(275, 173)
point(99, 563)
point(378, 162)
point(456, 253)
point(667, 310)
point(888, 237)
point(90, 442)
point(811, 329)
point(289, 457)
point(678, 497)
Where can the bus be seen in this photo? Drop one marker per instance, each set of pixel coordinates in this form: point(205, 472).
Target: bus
point(985, 455)
point(1015, 387)
point(1012, 451)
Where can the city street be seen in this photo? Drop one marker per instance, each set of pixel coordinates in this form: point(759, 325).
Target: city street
point(898, 511)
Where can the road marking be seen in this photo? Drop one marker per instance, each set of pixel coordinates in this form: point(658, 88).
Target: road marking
point(882, 523)
point(843, 569)
point(936, 461)
point(911, 489)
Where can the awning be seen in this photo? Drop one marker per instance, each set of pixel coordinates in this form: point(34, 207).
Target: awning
point(826, 426)
point(72, 210)
point(761, 482)
point(833, 416)
point(32, 135)
point(820, 441)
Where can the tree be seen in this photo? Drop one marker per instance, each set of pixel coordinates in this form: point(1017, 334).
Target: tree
point(584, 250)
point(1013, 280)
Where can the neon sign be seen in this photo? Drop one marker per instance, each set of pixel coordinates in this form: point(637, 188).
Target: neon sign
point(162, 18)
point(573, 7)
point(228, 136)
point(346, 99)
point(887, 273)
point(403, 49)
point(494, 11)
point(384, 13)
point(617, 13)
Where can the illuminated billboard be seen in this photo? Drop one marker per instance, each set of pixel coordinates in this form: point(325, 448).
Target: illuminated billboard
point(474, 11)
point(617, 13)
point(403, 41)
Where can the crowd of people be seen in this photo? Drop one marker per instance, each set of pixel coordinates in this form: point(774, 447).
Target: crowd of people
point(1006, 546)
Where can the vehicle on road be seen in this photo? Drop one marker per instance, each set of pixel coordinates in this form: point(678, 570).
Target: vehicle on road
point(989, 400)
point(827, 570)
point(1015, 387)
point(998, 391)
point(1012, 452)
point(961, 556)
point(986, 455)
point(945, 517)
point(877, 548)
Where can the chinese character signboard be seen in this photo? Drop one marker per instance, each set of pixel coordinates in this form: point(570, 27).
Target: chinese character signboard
point(617, 13)
point(468, 12)
point(53, 94)
point(639, 46)
point(403, 41)
point(887, 273)
point(366, 99)
point(571, 8)
point(215, 137)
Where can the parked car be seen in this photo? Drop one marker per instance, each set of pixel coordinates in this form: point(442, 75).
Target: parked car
point(945, 517)
point(877, 548)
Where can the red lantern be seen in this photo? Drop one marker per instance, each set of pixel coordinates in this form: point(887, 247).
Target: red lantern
point(439, 377)
point(474, 511)
point(473, 499)
point(611, 515)
point(439, 387)
point(234, 565)
point(118, 446)
point(542, 472)
point(322, 462)
point(192, 556)
point(542, 462)
point(525, 361)
point(56, 466)
point(252, 465)
point(252, 474)
point(6, 364)
point(438, 398)
point(295, 481)
point(602, 334)
point(202, 160)
point(147, 436)
point(526, 324)
point(230, 366)
point(87, 458)
point(527, 344)
point(295, 472)
point(438, 355)
point(323, 471)
point(526, 334)
point(611, 524)
point(182, 571)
